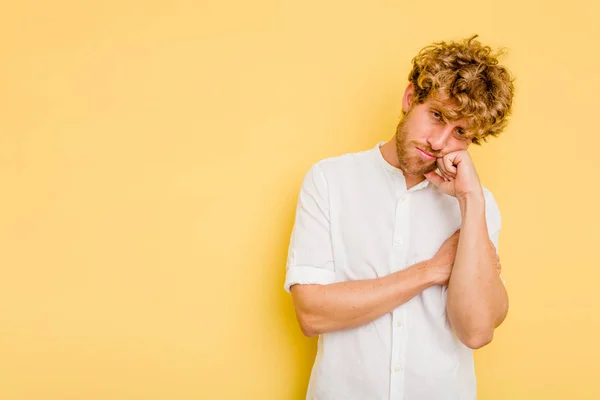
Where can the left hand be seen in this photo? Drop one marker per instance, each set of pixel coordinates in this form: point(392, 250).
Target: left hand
point(497, 262)
point(459, 176)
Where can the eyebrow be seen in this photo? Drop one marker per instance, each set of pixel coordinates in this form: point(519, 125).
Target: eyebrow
point(443, 109)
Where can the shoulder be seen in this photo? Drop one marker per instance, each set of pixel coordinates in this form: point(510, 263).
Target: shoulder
point(343, 164)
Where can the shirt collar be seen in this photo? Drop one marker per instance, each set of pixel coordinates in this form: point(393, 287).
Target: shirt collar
point(396, 171)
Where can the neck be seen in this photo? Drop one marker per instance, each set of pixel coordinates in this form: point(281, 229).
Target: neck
point(413, 180)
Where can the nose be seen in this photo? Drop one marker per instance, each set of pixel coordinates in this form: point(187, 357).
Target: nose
point(438, 139)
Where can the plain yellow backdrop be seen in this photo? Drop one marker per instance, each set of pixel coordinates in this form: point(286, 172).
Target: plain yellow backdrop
point(151, 155)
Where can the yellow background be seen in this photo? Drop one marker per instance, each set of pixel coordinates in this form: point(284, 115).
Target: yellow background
point(150, 160)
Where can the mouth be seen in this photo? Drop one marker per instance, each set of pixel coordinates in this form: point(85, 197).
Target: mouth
point(425, 155)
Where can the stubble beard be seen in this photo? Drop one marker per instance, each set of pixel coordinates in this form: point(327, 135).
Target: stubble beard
point(410, 164)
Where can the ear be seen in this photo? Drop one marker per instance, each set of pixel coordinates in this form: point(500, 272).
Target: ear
point(407, 99)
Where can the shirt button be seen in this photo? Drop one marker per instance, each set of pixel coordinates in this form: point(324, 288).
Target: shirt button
point(398, 324)
point(400, 242)
point(403, 198)
point(397, 368)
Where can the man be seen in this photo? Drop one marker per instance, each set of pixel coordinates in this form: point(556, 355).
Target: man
point(392, 258)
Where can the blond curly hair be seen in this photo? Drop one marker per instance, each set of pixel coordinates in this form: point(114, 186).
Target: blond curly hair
point(467, 74)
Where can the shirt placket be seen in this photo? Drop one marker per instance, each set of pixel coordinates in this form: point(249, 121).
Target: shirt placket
point(399, 315)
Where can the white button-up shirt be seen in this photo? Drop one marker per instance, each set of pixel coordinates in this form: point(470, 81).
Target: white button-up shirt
point(355, 219)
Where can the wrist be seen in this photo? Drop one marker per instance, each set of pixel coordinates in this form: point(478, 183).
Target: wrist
point(428, 272)
point(471, 200)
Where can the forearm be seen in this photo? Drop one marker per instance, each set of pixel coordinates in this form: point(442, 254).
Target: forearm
point(477, 299)
point(345, 305)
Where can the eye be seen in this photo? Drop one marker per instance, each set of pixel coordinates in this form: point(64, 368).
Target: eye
point(460, 131)
point(436, 114)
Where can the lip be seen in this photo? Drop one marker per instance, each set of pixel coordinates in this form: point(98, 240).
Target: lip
point(426, 156)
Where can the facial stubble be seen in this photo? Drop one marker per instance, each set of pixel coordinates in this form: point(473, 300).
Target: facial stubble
point(410, 164)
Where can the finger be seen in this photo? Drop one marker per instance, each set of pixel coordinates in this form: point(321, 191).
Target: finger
point(447, 177)
point(441, 167)
point(434, 178)
point(456, 157)
point(444, 170)
point(450, 168)
point(452, 241)
point(445, 165)
point(439, 171)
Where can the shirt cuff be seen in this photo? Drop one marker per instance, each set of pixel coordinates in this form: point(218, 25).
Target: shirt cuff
point(308, 275)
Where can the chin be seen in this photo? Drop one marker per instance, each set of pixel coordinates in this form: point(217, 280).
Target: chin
point(418, 168)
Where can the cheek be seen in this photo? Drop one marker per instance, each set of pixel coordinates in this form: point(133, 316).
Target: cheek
point(458, 144)
point(420, 132)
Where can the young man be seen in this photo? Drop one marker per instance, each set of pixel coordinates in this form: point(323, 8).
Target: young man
point(392, 259)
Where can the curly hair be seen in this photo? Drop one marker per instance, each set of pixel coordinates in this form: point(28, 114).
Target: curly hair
point(466, 74)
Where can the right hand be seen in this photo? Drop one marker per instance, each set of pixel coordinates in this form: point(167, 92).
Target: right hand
point(441, 264)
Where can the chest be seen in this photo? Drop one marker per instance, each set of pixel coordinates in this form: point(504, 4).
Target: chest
point(379, 232)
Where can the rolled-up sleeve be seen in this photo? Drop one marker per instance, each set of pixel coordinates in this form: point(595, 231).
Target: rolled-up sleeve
point(310, 253)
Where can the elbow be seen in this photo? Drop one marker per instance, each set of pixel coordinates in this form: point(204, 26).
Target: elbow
point(307, 324)
point(477, 341)
point(484, 335)
point(307, 306)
